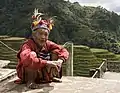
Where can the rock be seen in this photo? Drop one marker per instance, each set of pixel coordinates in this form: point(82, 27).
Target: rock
point(4, 63)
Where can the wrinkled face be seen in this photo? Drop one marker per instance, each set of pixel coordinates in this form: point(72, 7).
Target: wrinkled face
point(40, 36)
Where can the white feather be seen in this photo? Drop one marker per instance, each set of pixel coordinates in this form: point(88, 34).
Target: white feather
point(37, 14)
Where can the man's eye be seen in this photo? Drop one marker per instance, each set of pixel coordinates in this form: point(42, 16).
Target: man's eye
point(45, 34)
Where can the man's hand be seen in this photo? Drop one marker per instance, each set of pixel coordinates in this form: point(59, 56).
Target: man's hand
point(51, 63)
point(59, 62)
point(33, 56)
point(55, 63)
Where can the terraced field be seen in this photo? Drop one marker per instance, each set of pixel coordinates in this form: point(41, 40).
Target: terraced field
point(105, 54)
point(8, 54)
point(84, 58)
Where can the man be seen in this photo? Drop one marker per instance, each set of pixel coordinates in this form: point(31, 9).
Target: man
point(40, 60)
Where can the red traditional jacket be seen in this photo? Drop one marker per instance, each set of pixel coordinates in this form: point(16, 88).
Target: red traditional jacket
point(25, 58)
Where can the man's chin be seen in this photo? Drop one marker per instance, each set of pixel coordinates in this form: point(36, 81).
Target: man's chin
point(41, 44)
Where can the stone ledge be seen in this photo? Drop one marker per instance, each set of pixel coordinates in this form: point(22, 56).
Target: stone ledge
point(68, 85)
point(6, 73)
point(4, 63)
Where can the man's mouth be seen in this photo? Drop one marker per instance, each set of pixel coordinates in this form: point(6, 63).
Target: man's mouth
point(42, 41)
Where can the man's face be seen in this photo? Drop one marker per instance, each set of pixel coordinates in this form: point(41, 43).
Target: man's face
point(40, 36)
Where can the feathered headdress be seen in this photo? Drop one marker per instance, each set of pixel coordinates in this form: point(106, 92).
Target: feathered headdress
point(38, 22)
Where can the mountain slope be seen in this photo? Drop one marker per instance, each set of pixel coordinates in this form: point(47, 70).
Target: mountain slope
point(91, 26)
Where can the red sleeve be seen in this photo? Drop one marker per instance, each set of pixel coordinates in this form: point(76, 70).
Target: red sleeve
point(27, 56)
point(60, 50)
point(63, 54)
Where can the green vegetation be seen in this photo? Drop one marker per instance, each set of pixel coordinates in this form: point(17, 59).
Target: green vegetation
point(84, 60)
point(93, 27)
point(8, 54)
point(83, 25)
point(105, 54)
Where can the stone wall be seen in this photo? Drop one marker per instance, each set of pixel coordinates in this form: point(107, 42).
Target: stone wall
point(113, 66)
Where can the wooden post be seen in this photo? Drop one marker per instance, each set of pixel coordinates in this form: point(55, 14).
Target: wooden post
point(91, 72)
point(69, 63)
point(99, 73)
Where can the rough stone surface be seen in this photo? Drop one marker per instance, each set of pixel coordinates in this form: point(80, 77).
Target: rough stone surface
point(4, 63)
point(68, 85)
point(109, 84)
point(5, 73)
point(111, 76)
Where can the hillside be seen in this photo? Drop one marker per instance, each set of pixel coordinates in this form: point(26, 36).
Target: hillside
point(84, 57)
point(91, 26)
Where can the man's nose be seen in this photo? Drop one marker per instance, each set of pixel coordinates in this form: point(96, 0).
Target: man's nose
point(43, 36)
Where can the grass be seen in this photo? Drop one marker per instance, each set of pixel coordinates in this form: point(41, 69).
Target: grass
point(95, 50)
point(84, 57)
point(105, 54)
point(84, 60)
point(13, 38)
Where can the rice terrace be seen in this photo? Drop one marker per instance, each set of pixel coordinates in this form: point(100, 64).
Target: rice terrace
point(86, 62)
point(88, 31)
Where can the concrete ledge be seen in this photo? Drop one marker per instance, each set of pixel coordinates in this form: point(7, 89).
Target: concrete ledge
point(4, 63)
point(69, 85)
point(6, 73)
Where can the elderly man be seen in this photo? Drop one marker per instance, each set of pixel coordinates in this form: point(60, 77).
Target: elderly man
point(40, 60)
